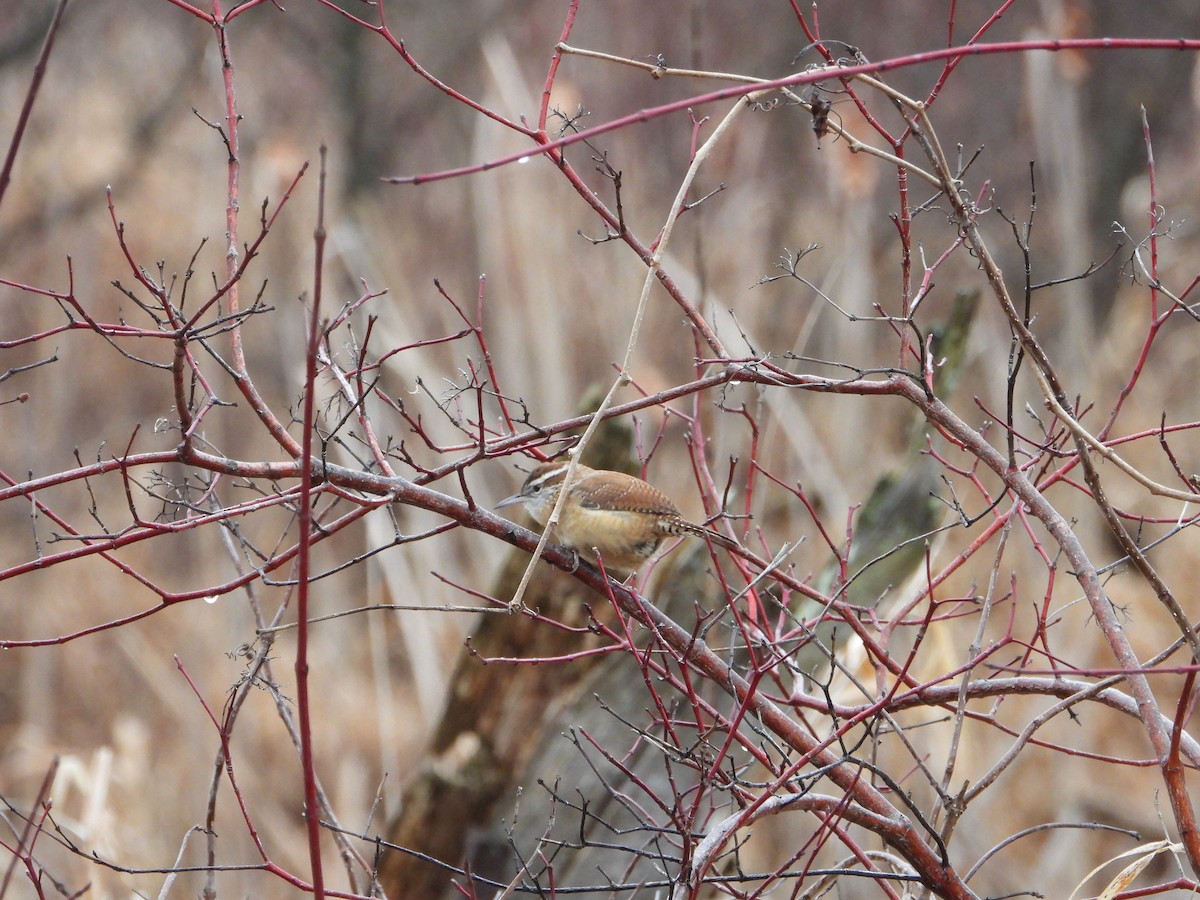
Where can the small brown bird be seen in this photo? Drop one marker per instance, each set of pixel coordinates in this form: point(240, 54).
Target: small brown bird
point(616, 516)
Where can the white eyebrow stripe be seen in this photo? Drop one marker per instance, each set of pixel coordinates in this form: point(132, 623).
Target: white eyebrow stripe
point(548, 476)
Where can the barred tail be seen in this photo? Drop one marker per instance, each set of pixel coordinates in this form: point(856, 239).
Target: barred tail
point(706, 534)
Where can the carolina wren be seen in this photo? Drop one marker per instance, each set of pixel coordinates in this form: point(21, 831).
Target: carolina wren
point(616, 516)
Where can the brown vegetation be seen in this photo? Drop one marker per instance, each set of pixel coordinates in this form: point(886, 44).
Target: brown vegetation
point(939, 398)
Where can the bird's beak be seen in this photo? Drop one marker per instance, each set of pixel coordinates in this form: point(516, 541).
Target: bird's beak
point(509, 501)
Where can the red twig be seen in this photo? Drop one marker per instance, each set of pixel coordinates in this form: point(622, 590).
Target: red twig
point(23, 851)
point(303, 560)
point(39, 72)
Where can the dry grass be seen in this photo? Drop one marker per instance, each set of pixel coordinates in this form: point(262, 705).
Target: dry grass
point(135, 745)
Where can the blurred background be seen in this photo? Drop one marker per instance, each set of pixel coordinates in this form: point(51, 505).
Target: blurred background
point(130, 89)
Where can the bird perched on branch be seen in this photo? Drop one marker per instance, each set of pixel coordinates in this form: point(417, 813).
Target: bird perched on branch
point(607, 516)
